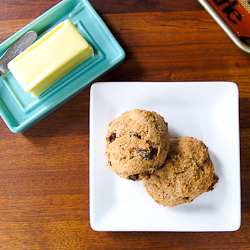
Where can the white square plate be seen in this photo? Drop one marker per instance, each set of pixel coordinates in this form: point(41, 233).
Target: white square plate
point(208, 111)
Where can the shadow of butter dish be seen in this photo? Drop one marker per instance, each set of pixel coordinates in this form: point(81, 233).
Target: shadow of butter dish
point(19, 109)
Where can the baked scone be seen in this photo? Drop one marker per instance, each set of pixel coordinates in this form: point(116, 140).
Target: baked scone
point(187, 173)
point(137, 144)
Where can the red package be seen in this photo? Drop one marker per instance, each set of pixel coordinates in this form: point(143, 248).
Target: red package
point(235, 15)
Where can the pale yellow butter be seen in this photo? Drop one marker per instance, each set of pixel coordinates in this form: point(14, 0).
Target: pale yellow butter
point(50, 58)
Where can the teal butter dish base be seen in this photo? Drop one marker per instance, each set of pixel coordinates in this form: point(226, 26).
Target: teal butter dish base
point(18, 109)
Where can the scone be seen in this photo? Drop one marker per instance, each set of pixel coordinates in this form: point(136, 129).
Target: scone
point(187, 173)
point(137, 144)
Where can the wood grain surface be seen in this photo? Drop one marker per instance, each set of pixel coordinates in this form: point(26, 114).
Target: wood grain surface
point(44, 182)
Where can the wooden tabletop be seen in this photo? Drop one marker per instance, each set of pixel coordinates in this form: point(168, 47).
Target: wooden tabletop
point(44, 172)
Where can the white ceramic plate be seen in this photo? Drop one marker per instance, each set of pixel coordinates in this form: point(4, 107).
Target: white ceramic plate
point(208, 111)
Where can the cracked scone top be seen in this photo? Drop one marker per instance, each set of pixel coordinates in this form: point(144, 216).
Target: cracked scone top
point(137, 144)
point(187, 173)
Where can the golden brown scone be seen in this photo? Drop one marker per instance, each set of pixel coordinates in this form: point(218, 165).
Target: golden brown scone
point(188, 172)
point(137, 143)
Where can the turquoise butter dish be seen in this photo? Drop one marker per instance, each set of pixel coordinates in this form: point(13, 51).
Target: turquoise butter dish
point(18, 109)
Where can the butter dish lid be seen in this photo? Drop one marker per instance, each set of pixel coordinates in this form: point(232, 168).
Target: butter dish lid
point(18, 109)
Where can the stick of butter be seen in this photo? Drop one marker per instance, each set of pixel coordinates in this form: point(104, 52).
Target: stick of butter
point(50, 58)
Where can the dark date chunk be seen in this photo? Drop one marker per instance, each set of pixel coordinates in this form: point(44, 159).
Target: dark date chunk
point(135, 135)
point(145, 154)
point(133, 177)
point(112, 137)
point(148, 154)
point(154, 151)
